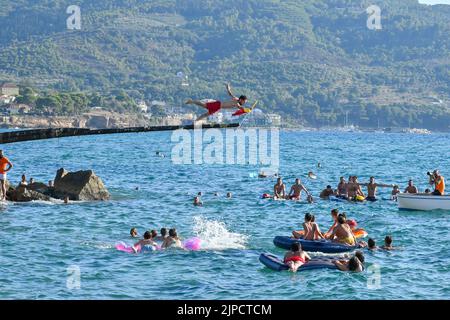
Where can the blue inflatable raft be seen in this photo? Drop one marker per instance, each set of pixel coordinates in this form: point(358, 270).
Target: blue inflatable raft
point(325, 246)
point(273, 262)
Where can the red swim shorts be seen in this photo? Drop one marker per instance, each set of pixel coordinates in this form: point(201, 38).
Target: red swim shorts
point(213, 107)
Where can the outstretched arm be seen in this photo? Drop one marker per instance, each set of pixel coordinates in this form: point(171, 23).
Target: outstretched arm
point(385, 185)
point(230, 93)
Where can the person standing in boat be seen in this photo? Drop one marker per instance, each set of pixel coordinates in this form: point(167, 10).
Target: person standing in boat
point(439, 183)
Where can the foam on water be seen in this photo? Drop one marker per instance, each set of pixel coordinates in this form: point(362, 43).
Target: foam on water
point(215, 235)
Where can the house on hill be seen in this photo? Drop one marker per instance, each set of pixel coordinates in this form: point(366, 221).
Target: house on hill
point(9, 89)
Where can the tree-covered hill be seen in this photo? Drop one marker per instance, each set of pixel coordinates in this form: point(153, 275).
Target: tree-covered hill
point(312, 61)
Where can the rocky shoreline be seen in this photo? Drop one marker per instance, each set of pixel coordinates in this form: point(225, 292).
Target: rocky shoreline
point(76, 186)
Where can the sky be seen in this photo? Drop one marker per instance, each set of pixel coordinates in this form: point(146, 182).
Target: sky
point(435, 1)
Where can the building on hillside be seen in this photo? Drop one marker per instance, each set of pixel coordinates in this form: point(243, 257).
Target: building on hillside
point(4, 99)
point(143, 107)
point(14, 109)
point(9, 89)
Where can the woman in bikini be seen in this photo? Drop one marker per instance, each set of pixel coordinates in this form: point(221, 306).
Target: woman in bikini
point(296, 257)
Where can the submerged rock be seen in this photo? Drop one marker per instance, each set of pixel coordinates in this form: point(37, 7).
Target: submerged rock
point(80, 185)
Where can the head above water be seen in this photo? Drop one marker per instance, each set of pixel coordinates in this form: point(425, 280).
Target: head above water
point(372, 179)
point(410, 183)
point(154, 233)
point(163, 232)
point(279, 180)
point(296, 246)
point(371, 243)
point(341, 179)
point(133, 232)
point(353, 264)
point(341, 219)
point(173, 233)
point(335, 212)
point(147, 235)
point(388, 241)
point(328, 187)
point(297, 181)
point(360, 256)
point(229, 195)
point(308, 217)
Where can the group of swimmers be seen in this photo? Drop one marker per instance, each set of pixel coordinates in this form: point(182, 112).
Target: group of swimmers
point(198, 198)
point(167, 238)
point(295, 193)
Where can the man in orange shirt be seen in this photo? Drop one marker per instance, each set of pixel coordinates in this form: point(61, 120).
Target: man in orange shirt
point(5, 166)
point(439, 183)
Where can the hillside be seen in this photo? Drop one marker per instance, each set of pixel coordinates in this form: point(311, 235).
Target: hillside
point(311, 61)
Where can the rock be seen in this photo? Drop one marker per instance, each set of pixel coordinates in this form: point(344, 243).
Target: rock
point(23, 194)
point(80, 185)
point(38, 186)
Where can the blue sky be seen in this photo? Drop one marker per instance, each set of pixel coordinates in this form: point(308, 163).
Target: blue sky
point(435, 1)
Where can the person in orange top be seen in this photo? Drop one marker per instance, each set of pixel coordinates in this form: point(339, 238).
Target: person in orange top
point(439, 183)
point(5, 166)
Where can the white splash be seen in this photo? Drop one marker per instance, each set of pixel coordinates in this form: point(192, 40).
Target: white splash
point(215, 236)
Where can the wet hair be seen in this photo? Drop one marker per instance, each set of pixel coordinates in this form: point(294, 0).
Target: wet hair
point(308, 217)
point(328, 187)
point(147, 235)
point(296, 246)
point(313, 218)
point(427, 190)
point(353, 263)
point(371, 243)
point(388, 240)
point(341, 219)
point(154, 233)
point(360, 256)
point(173, 232)
point(334, 212)
point(133, 230)
point(243, 98)
point(163, 232)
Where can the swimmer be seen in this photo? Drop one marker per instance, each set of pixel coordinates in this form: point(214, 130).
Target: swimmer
point(342, 189)
point(229, 195)
point(154, 234)
point(163, 235)
point(296, 257)
point(354, 264)
point(427, 191)
point(311, 175)
point(326, 193)
point(310, 198)
point(395, 191)
point(279, 190)
point(296, 190)
point(372, 187)
point(134, 233)
point(172, 240)
point(215, 106)
point(147, 241)
point(371, 244)
point(198, 202)
point(342, 233)
point(388, 243)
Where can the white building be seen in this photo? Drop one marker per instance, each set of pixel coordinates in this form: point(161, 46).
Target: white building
point(143, 106)
point(4, 99)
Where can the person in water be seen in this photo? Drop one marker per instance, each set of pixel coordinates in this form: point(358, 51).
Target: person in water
point(354, 264)
point(342, 189)
point(296, 190)
point(326, 193)
point(172, 240)
point(342, 233)
point(5, 166)
point(154, 234)
point(134, 233)
point(279, 190)
point(427, 191)
point(388, 243)
point(395, 191)
point(229, 195)
point(197, 201)
point(163, 235)
point(372, 187)
point(310, 198)
point(215, 106)
point(371, 245)
point(296, 257)
point(411, 188)
point(439, 183)
point(147, 241)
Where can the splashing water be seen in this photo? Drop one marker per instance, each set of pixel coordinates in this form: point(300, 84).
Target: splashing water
point(215, 236)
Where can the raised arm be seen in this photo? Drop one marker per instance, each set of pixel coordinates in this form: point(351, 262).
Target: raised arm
point(385, 185)
point(230, 93)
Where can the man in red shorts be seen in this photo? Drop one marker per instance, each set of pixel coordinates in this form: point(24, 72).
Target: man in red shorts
point(215, 106)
